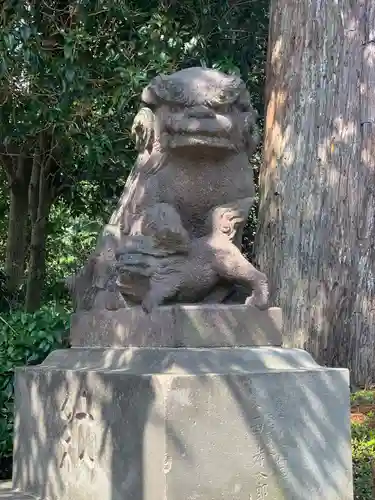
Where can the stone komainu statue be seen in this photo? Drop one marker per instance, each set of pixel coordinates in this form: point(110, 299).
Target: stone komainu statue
point(176, 232)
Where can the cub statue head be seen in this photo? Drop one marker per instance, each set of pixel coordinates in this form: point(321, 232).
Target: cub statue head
point(230, 219)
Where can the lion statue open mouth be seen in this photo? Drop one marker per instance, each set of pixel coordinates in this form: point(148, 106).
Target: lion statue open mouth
point(200, 107)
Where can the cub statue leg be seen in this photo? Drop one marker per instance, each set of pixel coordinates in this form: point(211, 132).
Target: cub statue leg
point(259, 296)
point(233, 266)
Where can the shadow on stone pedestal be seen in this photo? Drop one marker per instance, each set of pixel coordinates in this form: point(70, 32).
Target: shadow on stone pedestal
point(156, 423)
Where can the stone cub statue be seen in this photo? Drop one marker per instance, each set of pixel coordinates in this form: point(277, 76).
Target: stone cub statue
point(210, 260)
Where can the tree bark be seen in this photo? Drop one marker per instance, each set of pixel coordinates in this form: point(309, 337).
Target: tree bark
point(15, 257)
point(40, 198)
point(316, 237)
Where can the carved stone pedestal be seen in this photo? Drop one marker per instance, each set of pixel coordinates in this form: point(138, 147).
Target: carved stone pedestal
point(156, 423)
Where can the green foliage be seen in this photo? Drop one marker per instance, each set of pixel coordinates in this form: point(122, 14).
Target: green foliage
point(363, 450)
point(77, 69)
point(363, 397)
point(75, 235)
point(4, 207)
point(363, 447)
point(25, 339)
point(8, 300)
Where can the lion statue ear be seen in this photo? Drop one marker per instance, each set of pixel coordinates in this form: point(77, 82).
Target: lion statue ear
point(143, 130)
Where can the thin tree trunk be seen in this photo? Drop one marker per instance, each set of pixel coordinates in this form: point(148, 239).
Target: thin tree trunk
point(40, 204)
point(17, 225)
point(316, 238)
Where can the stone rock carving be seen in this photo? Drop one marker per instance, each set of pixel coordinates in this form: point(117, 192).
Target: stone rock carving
point(190, 278)
point(176, 232)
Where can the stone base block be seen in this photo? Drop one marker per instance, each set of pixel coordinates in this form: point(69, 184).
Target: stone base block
point(207, 325)
point(200, 424)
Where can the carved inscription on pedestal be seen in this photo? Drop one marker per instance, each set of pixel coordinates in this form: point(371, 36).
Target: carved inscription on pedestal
point(268, 428)
point(78, 441)
point(261, 486)
point(259, 457)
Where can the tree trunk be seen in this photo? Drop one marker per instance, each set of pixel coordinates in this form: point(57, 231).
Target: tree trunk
point(39, 208)
point(316, 238)
point(17, 224)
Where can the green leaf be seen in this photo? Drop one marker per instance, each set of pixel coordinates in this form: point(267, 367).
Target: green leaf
point(68, 51)
point(69, 75)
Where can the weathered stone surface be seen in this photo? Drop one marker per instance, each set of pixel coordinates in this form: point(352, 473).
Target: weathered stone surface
point(175, 236)
point(178, 326)
point(155, 424)
point(138, 361)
